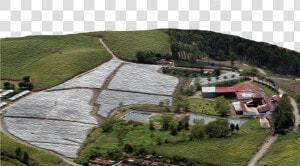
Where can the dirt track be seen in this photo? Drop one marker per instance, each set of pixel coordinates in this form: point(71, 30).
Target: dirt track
point(262, 150)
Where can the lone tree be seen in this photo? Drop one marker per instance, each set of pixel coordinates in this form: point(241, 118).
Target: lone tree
point(26, 78)
point(151, 125)
point(6, 85)
point(237, 127)
point(283, 115)
point(232, 127)
point(25, 157)
point(222, 106)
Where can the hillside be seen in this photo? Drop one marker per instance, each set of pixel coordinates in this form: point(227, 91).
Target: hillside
point(193, 44)
point(285, 151)
point(50, 60)
point(125, 44)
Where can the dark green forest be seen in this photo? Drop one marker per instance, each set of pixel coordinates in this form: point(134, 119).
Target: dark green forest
point(190, 45)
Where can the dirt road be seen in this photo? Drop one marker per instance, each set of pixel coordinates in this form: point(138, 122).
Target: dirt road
point(296, 114)
point(262, 150)
point(113, 55)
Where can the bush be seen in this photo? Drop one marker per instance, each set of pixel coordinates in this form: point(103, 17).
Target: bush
point(6, 85)
point(218, 128)
point(222, 106)
point(107, 125)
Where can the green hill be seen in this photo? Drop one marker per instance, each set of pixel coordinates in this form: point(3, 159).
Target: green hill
point(125, 44)
point(50, 60)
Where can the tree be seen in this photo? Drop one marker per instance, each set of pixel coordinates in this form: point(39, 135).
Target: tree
point(165, 121)
point(18, 152)
point(120, 104)
point(232, 127)
point(173, 127)
point(121, 133)
point(25, 157)
point(283, 115)
point(26, 78)
point(218, 128)
point(217, 72)
point(151, 125)
point(197, 131)
point(197, 83)
point(128, 148)
point(108, 124)
point(237, 128)
point(222, 106)
point(161, 103)
point(6, 85)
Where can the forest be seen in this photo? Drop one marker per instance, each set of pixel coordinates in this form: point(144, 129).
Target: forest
point(190, 45)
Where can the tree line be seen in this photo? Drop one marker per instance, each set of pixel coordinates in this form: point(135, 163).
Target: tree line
point(195, 44)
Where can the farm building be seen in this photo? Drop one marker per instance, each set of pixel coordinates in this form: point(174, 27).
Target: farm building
point(208, 92)
point(241, 92)
point(257, 105)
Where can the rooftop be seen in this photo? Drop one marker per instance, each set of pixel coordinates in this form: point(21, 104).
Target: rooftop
point(208, 89)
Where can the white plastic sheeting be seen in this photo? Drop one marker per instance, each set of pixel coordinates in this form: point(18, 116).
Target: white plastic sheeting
point(21, 94)
point(222, 78)
point(92, 79)
point(56, 120)
point(206, 120)
point(144, 79)
point(110, 100)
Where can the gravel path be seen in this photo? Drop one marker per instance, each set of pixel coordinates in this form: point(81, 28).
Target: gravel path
point(262, 150)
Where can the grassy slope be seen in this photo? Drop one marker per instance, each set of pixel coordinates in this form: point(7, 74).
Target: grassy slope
point(285, 151)
point(125, 45)
point(50, 60)
point(8, 147)
point(233, 150)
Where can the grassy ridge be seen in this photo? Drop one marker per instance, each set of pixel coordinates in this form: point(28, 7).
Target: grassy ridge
point(50, 60)
point(125, 44)
point(233, 150)
point(39, 157)
point(285, 151)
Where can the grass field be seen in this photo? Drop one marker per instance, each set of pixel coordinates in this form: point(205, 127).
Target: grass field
point(270, 92)
point(37, 157)
point(125, 45)
point(285, 151)
point(200, 106)
point(50, 60)
point(138, 136)
point(233, 150)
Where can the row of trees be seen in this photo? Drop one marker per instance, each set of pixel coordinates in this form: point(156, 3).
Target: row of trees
point(24, 85)
point(225, 47)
